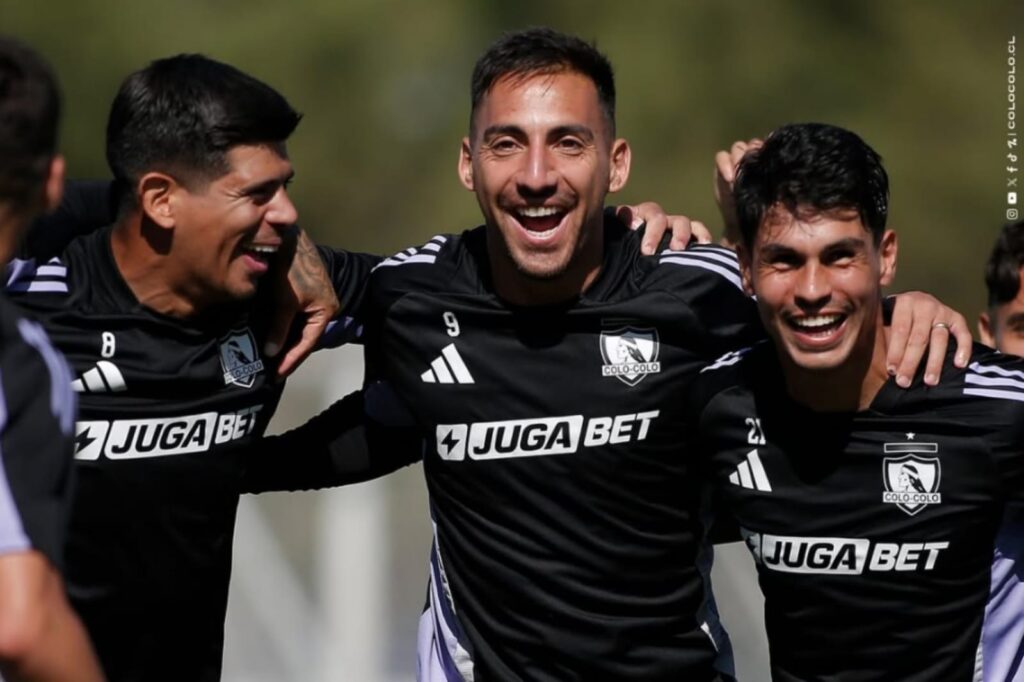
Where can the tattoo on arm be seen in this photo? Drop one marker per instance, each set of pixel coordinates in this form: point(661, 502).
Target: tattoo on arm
point(307, 273)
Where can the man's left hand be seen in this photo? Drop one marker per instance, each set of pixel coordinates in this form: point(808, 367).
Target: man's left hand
point(921, 321)
point(658, 222)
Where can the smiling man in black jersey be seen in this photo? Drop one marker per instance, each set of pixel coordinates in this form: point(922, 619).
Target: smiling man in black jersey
point(871, 511)
point(159, 317)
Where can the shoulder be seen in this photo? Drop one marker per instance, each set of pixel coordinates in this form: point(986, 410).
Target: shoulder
point(988, 393)
point(700, 265)
point(445, 262)
point(42, 284)
point(734, 372)
point(992, 376)
point(34, 276)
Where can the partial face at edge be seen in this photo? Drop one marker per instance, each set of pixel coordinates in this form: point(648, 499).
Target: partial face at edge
point(541, 163)
point(1002, 326)
point(818, 283)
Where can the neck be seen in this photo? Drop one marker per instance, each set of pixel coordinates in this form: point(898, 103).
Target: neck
point(520, 289)
point(140, 251)
point(848, 388)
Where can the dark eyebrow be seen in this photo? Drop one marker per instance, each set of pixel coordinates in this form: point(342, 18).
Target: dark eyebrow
point(772, 251)
point(267, 185)
point(848, 244)
point(1014, 320)
point(561, 131)
point(769, 251)
point(494, 131)
point(580, 130)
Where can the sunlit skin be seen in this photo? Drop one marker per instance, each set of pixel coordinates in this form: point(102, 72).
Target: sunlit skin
point(541, 160)
point(1002, 326)
point(818, 279)
point(194, 247)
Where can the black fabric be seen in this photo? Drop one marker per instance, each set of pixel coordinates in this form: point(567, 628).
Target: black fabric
point(37, 411)
point(861, 580)
point(570, 541)
point(169, 408)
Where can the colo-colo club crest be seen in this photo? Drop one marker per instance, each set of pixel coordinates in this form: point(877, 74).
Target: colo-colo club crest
point(911, 479)
point(239, 359)
point(630, 354)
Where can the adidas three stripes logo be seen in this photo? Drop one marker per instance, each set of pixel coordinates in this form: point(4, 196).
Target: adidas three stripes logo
point(750, 474)
point(448, 368)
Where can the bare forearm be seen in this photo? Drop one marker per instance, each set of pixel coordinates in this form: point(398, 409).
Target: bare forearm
point(41, 638)
point(62, 653)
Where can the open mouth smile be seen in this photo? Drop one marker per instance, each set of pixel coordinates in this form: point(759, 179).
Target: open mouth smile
point(540, 222)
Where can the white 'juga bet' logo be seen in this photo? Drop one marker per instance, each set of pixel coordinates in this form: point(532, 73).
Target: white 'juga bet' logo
point(535, 437)
point(137, 438)
point(841, 556)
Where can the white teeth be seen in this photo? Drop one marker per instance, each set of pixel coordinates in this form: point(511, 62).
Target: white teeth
point(538, 211)
point(544, 234)
point(816, 321)
point(259, 248)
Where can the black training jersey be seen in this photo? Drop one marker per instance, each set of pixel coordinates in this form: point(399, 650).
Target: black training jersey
point(569, 537)
point(872, 532)
point(37, 413)
point(167, 409)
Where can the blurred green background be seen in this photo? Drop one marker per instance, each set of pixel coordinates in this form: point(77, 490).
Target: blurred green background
point(384, 88)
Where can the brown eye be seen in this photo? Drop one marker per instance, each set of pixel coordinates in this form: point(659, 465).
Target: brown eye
point(504, 145)
point(570, 144)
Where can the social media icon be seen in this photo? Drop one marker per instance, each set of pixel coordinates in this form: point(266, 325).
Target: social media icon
point(1012, 214)
point(1011, 198)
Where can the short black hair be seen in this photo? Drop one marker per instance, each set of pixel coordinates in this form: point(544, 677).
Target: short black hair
point(811, 167)
point(182, 114)
point(543, 50)
point(29, 113)
point(1002, 272)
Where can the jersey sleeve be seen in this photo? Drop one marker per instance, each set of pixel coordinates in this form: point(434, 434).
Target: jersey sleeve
point(365, 435)
point(350, 274)
point(86, 206)
point(37, 410)
point(343, 444)
point(997, 382)
point(718, 314)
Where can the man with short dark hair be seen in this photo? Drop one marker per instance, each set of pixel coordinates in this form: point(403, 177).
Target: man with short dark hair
point(568, 535)
point(159, 317)
point(41, 639)
point(870, 510)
